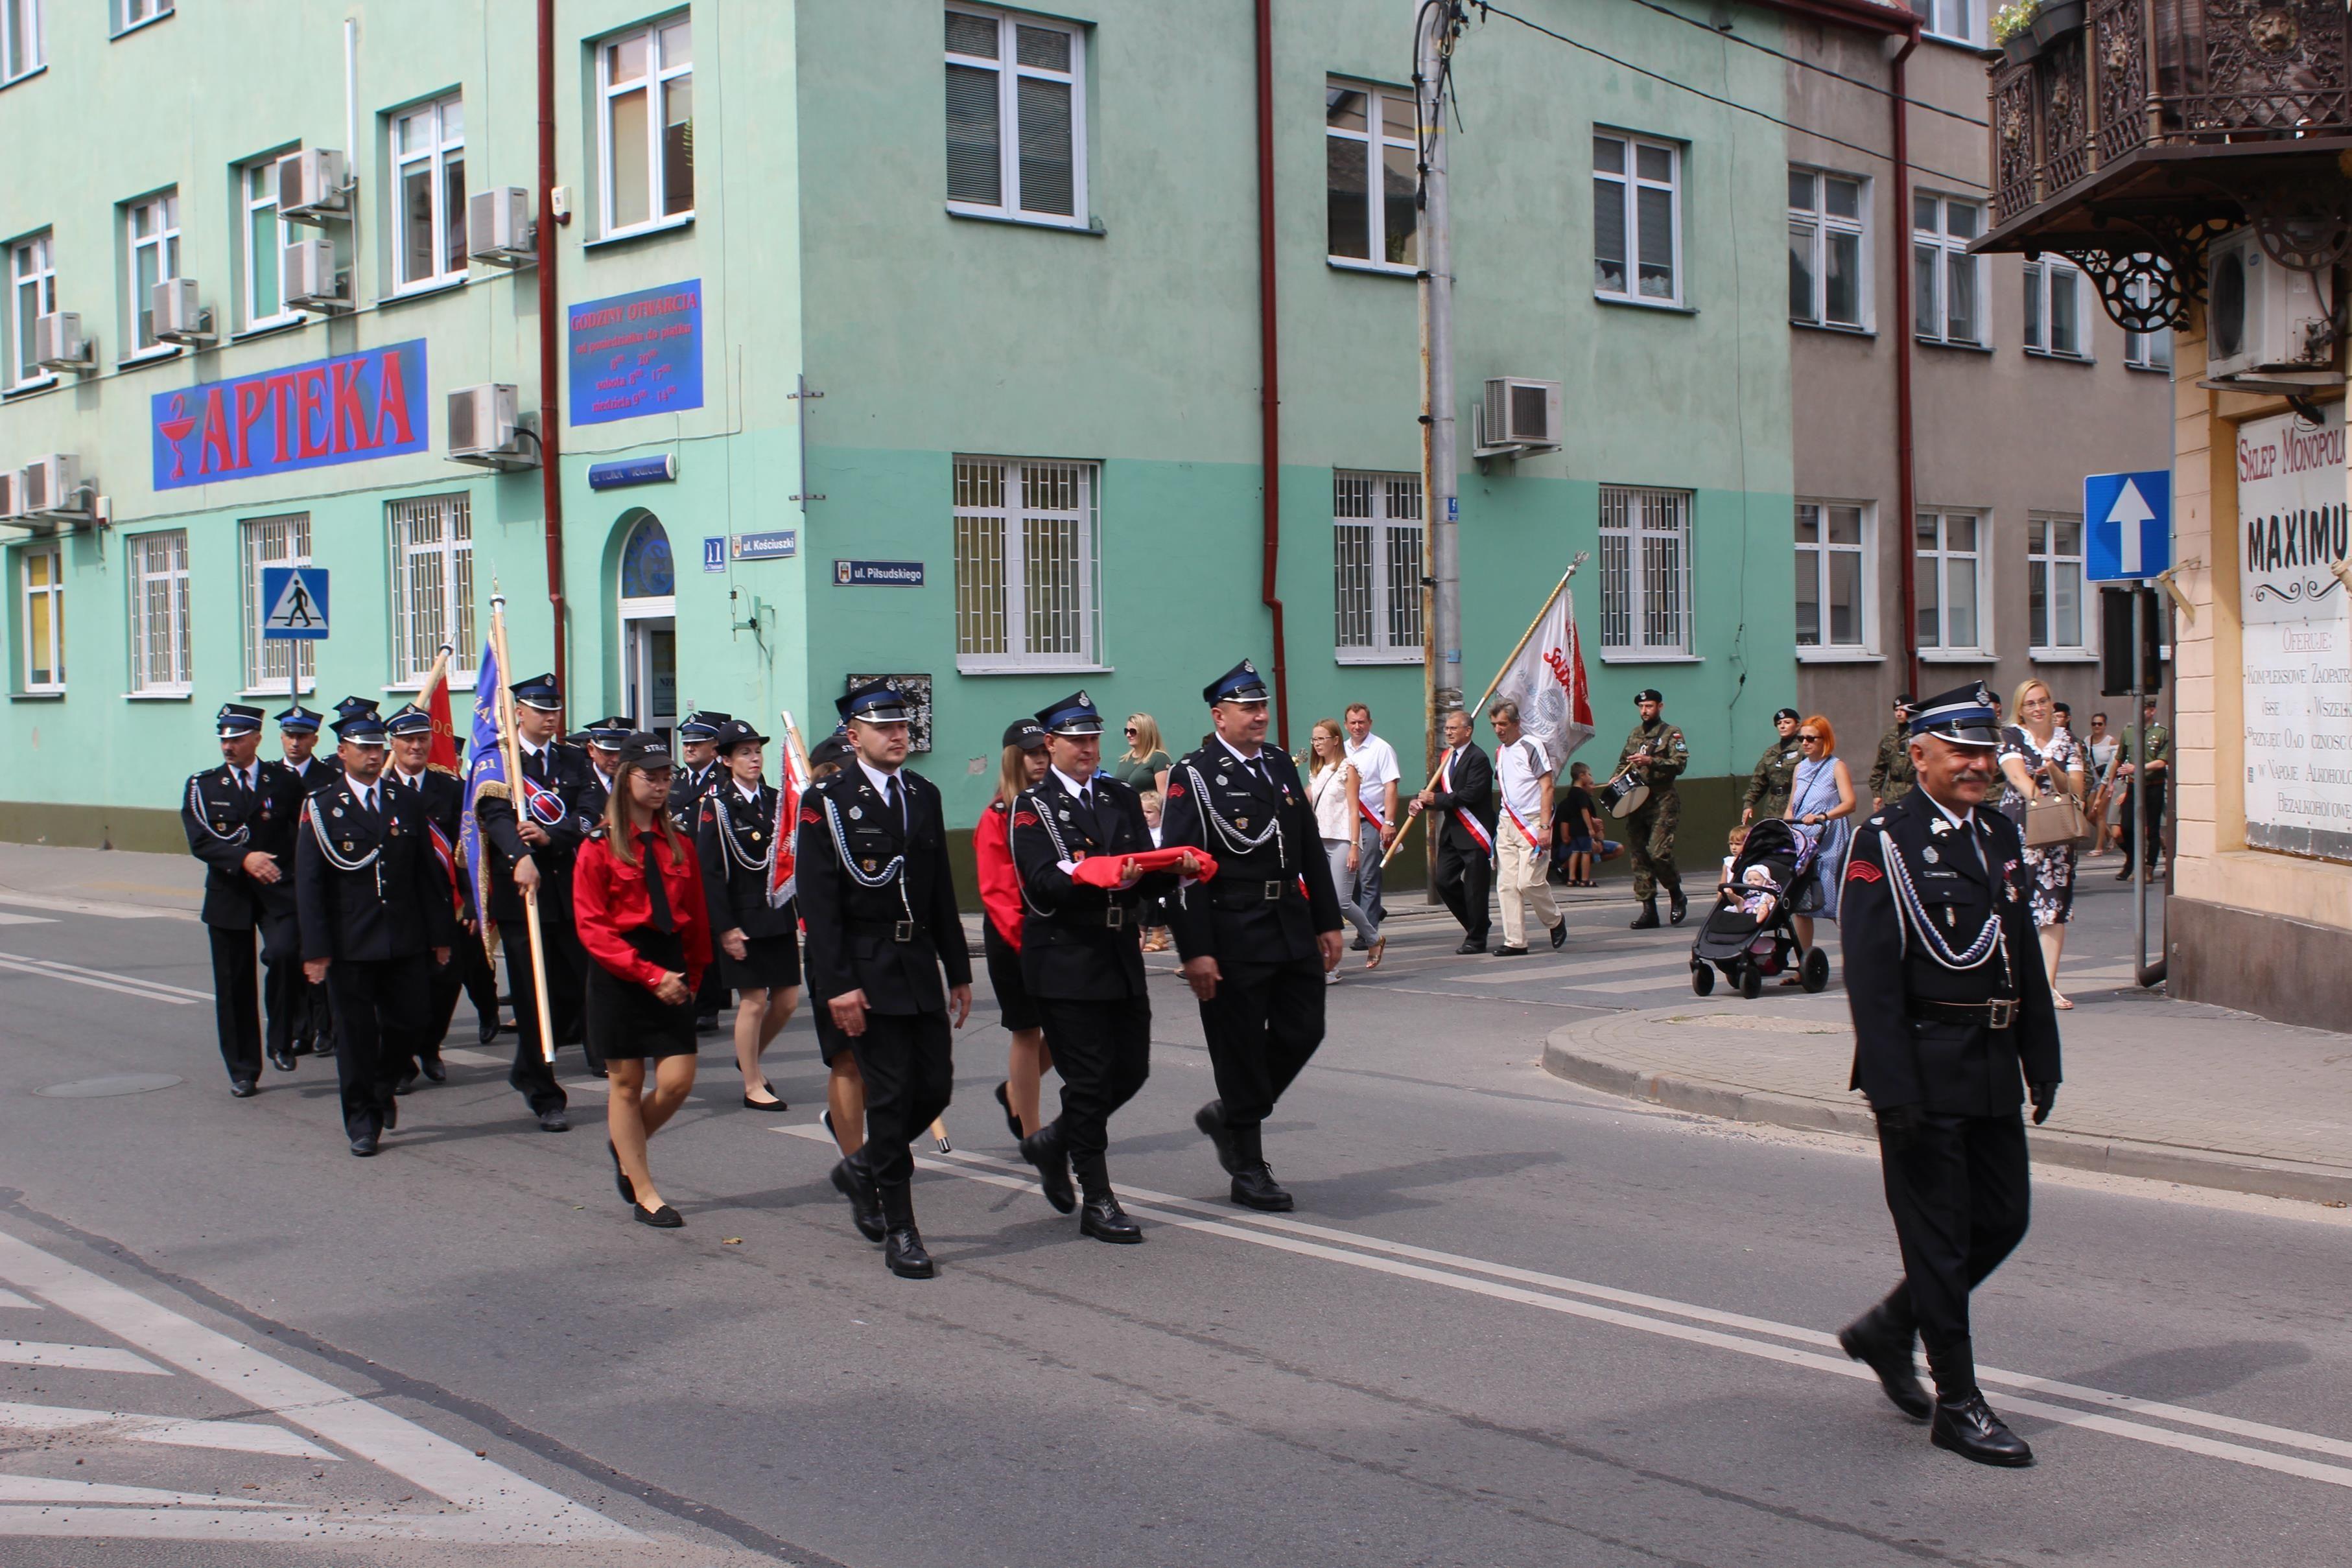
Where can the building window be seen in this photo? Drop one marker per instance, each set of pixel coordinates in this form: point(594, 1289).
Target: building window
point(1025, 74)
point(1954, 19)
point(1948, 579)
point(1370, 144)
point(42, 572)
point(646, 133)
point(2054, 555)
point(429, 156)
point(1828, 276)
point(20, 38)
point(1645, 587)
point(1025, 564)
point(1949, 283)
point(130, 13)
point(152, 228)
point(32, 294)
point(265, 238)
point(1833, 575)
point(2053, 309)
point(1637, 219)
point(263, 542)
point(160, 656)
point(432, 587)
point(1376, 567)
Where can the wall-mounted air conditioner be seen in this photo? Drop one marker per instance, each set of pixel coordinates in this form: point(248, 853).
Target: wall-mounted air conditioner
point(313, 185)
point(51, 487)
point(179, 317)
point(2260, 316)
point(312, 280)
point(500, 228)
point(1518, 415)
point(11, 508)
point(58, 344)
point(484, 430)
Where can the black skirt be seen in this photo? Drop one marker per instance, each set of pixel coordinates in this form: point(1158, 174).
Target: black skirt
point(767, 962)
point(626, 1023)
point(1014, 1009)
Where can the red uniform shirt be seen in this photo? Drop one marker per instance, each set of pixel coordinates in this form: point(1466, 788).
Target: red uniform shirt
point(609, 900)
point(999, 883)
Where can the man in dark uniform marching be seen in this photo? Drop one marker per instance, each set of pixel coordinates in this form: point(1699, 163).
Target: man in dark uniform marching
point(375, 905)
point(875, 893)
point(1657, 754)
point(698, 774)
point(240, 819)
point(1257, 940)
point(1953, 1026)
point(297, 741)
point(468, 968)
point(1776, 772)
point(1082, 958)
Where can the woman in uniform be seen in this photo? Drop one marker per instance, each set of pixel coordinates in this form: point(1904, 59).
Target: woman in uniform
point(1027, 1061)
point(758, 943)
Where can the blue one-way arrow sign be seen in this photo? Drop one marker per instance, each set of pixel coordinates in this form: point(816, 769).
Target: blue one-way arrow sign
point(2129, 518)
point(297, 598)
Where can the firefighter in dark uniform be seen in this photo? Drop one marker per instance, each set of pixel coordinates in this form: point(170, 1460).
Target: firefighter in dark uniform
point(297, 740)
point(375, 903)
point(538, 850)
point(1776, 772)
point(240, 818)
point(754, 938)
point(1257, 941)
point(1953, 1027)
point(468, 968)
point(698, 772)
point(1082, 958)
point(1890, 775)
point(1657, 754)
point(880, 912)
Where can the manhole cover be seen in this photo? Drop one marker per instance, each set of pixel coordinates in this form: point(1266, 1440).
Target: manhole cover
point(114, 1083)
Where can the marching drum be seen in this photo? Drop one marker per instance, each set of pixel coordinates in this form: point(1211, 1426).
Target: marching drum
point(1622, 796)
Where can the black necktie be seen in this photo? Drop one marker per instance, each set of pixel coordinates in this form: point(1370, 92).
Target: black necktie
point(656, 891)
point(896, 801)
point(244, 782)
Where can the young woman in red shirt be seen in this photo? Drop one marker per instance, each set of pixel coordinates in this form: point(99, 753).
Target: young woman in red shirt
point(1027, 1060)
point(638, 900)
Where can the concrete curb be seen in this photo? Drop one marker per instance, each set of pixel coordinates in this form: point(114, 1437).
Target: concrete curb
point(1582, 1061)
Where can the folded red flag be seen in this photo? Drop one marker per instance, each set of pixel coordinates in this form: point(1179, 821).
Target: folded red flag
point(1102, 871)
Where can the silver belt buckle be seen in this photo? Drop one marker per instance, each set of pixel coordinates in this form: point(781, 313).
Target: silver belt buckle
point(2001, 1012)
point(1273, 891)
point(902, 931)
point(1114, 918)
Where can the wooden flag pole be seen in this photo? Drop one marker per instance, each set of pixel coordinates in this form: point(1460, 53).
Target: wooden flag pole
point(509, 742)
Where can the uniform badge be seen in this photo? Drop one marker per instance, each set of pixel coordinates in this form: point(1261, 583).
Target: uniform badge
point(856, 812)
point(755, 835)
point(1929, 854)
point(1241, 822)
point(1063, 814)
point(1939, 827)
point(339, 811)
point(1862, 870)
point(347, 847)
point(809, 816)
point(869, 867)
point(394, 828)
point(1877, 822)
point(1222, 780)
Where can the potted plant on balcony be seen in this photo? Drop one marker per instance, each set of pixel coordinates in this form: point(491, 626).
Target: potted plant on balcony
point(2012, 29)
point(2054, 20)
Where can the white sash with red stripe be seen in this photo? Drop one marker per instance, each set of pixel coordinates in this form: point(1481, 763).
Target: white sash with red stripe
point(1468, 818)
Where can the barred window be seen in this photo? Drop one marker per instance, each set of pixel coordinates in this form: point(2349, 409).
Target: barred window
point(432, 587)
point(265, 542)
point(1645, 571)
point(1027, 569)
point(161, 661)
point(1376, 568)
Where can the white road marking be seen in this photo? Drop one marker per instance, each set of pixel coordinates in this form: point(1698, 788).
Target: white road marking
point(11, 1299)
point(80, 1357)
point(241, 1437)
point(39, 1488)
point(8, 919)
point(96, 907)
point(102, 979)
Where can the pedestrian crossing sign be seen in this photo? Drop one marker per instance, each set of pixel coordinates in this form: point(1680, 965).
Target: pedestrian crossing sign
point(297, 601)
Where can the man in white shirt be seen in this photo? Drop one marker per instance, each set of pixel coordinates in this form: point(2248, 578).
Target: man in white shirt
point(1377, 772)
point(1523, 770)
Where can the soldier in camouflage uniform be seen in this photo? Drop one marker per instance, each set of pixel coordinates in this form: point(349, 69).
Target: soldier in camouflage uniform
point(1658, 752)
point(1890, 775)
point(1776, 770)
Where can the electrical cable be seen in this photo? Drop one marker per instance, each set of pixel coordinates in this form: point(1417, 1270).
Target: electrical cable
point(1810, 65)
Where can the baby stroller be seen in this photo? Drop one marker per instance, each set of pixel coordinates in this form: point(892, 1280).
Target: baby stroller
point(1752, 933)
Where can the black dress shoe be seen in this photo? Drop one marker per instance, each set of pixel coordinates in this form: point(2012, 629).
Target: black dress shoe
point(1969, 1428)
point(706, 1023)
point(902, 1245)
point(662, 1219)
point(363, 1145)
point(1507, 951)
point(1357, 946)
point(1676, 906)
point(1560, 935)
point(1471, 945)
point(864, 1199)
point(1011, 1120)
point(1865, 1340)
point(628, 1189)
point(435, 1073)
point(243, 1088)
point(1648, 919)
point(775, 1104)
point(1103, 1219)
point(1042, 1149)
point(391, 1114)
point(487, 1033)
point(281, 1057)
point(407, 1083)
point(553, 1120)
point(1255, 1187)
point(1211, 1119)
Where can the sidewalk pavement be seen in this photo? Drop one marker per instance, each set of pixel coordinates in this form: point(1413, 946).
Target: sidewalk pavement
point(2172, 1091)
point(123, 883)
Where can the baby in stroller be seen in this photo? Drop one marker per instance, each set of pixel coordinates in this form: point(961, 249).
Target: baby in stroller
point(1750, 933)
point(1754, 886)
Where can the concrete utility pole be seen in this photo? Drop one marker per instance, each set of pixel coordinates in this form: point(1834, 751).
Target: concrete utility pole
point(1439, 23)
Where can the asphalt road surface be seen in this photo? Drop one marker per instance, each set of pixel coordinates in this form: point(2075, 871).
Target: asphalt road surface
point(1513, 1321)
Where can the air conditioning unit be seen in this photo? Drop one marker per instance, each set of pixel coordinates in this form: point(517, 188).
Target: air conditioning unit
point(500, 228)
point(1520, 415)
point(51, 487)
point(313, 185)
point(179, 317)
point(2260, 316)
point(11, 507)
point(483, 428)
point(312, 280)
point(58, 344)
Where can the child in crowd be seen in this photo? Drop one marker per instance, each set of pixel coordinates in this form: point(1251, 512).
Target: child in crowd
point(1155, 910)
point(1755, 890)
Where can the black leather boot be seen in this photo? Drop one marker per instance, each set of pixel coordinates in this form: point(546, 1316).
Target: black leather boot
point(1102, 1218)
point(849, 1179)
point(1210, 1120)
point(1648, 919)
point(1043, 1149)
point(1967, 1427)
point(1677, 904)
point(1881, 1343)
point(902, 1247)
point(1254, 1183)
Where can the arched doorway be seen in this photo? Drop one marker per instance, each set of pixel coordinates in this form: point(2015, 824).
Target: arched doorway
point(650, 628)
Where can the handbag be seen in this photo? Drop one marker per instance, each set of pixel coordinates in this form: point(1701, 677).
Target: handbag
point(2055, 819)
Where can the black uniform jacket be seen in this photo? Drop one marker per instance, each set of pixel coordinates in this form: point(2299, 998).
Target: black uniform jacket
point(1068, 949)
point(566, 770)
point(735, 881)
point(1904, 1056)
point(1254, 912)
point(324, 769)
point(224, 824)
point(396, 904)
point(854, 931)
point(444, 803)
point(687, 789)
point(1472, 781)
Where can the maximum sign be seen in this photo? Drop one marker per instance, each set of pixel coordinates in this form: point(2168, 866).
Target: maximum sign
point(297, 598)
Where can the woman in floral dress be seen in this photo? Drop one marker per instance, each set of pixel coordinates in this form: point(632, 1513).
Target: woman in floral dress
point(2039, 758)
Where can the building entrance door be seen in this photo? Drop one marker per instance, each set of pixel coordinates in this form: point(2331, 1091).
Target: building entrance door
point(649, 629)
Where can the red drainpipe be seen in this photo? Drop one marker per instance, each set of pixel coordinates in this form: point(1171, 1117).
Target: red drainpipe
point(551, 478)
point(1905, 482)
point(1269, 366)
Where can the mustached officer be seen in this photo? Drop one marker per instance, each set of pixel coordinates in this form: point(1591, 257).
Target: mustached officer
point(875, 893)
point(1257, 941)
point(1082, 956)
point(376, 901)
point(240, 818)
point(1953, 1022)
point(1657, 754)
point(699, 772)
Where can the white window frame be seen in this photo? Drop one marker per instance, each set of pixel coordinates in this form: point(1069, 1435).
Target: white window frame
point(280, 540)
point(161, 646)
point(1010, 73)
point(20, 40)
point(52, 657)
point(2149, 351)
point(32, 268)
point(1630, 182)
point(994, 613)
point(1643, 529)
point(442, 149)
point(1812, 227)
point(1936, 18)
point(2045, 557)
point(1866, 645)
point(1376, 568)
point(163, 208)
point(261, 312)
point(130, 13)
point(431, 583)
point(1932, 567)
point(658, 75)
point(1372, 143)
point(2046, 281)
point(1950, 254)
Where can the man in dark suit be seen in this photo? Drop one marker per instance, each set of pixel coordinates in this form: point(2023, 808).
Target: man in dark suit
point(698, 772)
point(468, 968)
point(1257, 941)
point(1463, 794)
point(374, 901)
point(875, 895)
point(1081, 957)
point(240, 819)
point(297, 741)
point(1953, 1022)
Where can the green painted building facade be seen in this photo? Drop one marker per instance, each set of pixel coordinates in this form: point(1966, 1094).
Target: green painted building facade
point(1017, 254)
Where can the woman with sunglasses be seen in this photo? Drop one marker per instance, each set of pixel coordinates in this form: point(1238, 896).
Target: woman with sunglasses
point(1146, 764)
point(1821, 802)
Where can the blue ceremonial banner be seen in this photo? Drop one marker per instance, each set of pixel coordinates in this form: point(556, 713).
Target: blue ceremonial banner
point(637, 353)
point(484, 764)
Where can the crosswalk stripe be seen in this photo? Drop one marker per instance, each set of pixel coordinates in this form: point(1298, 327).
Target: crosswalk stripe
point(79, 1357)
point(102, 979)
point(240, 1437)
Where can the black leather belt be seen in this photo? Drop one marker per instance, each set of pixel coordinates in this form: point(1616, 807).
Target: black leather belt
point(1114, 916)
point(2001, 1012)
point(900, 930)
point(1238, 895)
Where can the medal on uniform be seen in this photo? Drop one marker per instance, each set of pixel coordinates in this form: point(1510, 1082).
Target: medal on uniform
point(1241, 822)
point(869, 867)
point(1929, 854)
point(339, 811)
point(1221, 778)
point(856, 812)
point(755, 835)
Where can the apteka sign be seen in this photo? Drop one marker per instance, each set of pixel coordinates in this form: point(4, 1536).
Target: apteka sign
point(348, 409)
